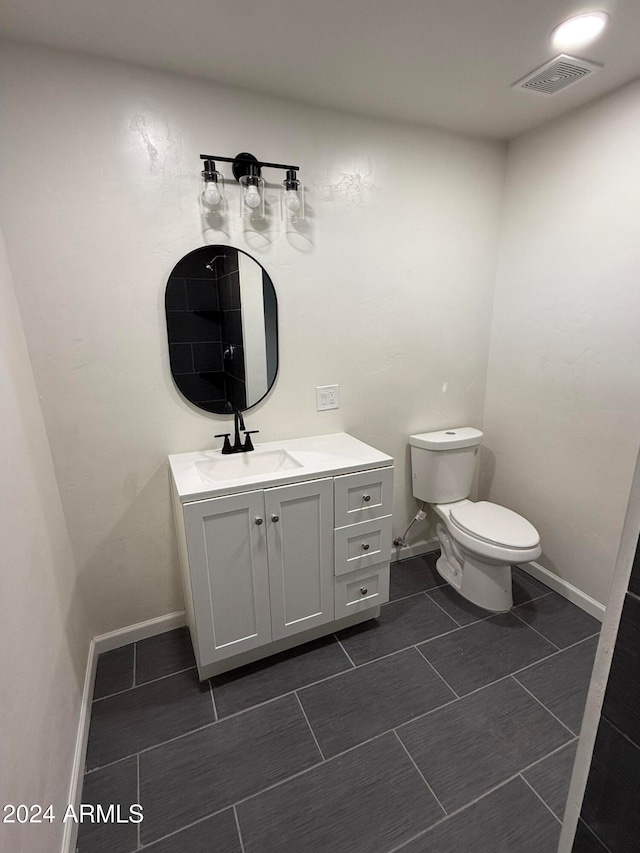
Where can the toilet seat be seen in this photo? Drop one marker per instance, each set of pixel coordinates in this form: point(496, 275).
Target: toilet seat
point(494, 524)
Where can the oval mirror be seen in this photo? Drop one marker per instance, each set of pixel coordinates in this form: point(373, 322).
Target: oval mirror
point(222, 325)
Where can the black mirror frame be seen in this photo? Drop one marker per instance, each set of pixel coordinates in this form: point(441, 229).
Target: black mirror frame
point(187, 276)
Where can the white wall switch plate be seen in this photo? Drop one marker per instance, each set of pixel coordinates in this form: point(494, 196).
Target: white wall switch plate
point(327, 397)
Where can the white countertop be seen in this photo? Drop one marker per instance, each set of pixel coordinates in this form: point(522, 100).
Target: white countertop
point(313, 457)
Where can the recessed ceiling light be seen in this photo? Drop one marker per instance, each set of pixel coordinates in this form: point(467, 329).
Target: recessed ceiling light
point(579, 30)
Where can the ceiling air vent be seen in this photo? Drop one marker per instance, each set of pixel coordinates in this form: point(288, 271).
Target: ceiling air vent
point(557, 74)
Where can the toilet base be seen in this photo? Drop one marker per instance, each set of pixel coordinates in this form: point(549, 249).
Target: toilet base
point(482, 583)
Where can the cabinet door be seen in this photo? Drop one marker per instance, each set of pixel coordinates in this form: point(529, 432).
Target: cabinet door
point(300, 555)
point(229, 574)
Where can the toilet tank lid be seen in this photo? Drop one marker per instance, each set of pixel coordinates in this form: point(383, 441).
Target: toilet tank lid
point(447, 439)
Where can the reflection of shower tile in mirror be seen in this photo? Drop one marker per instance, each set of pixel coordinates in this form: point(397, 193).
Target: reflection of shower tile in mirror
point(229, 291)
point(228, 263)
point(207, 357)
point(234, 366)
point(202, 295)
point(201, 389)
point(236, 392)
point(182, 357)
point(194, 265)
point(232, 327)
point(188, 327)
point(176, 295)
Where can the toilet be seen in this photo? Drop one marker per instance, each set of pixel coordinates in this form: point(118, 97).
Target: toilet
point(479, 540)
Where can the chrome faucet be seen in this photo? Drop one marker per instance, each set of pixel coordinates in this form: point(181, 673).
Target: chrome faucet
point(238, 425)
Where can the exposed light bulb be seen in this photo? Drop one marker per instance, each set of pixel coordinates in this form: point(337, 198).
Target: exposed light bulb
point(579, 30)
point(292, 200)
point(252, 197)
point(212, 194)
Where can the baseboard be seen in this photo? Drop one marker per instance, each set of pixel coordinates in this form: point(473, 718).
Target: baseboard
point(70, 833)
point(140, 631)
point(105, 643)
point(567, 590)
point(398, 553)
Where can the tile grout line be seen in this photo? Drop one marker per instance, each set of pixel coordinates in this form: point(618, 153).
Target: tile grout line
point(546, 805)
point(548, 755)
point(186, 826)
point(143, 684)
point(335, 675)
point(420, 773)
point(535, 629)
point(441, 677)
point(619, 731)
point(595, 835)
point(213, 702)
point(448, 615)
point(453, 814)
point(344, 650)
point(339, 755)
point(313, 734)
point(554, 654)
point(548, 710)
point(411, 594)
point(235, 814)
point(473, 802)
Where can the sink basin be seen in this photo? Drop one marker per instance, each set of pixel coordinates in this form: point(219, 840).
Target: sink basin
point(242, 465)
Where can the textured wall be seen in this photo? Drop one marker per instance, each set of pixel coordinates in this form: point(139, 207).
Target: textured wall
point(43, 636)
point(385, 290)
point(562, 414)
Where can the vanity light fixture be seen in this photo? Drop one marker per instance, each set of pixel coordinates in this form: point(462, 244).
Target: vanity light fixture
point(579, 30)
point(252, 193)
point(247, 170)
point(291, 198)
point(213, 189)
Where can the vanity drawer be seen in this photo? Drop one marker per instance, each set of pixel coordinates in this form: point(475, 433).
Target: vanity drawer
point(361, 590)
point(363, 544)
point(361, 496)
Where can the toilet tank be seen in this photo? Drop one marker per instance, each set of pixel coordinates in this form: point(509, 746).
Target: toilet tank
point(443, 464)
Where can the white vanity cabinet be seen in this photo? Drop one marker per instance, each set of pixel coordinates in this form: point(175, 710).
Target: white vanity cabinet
point(265, 569)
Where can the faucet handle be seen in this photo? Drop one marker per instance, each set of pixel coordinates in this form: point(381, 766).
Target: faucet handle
point(248, 444)
point(226, 447)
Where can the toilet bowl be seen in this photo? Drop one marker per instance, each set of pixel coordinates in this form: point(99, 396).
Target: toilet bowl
point(479, 541)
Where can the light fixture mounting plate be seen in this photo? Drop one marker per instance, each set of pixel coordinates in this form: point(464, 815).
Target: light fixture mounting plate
point(242, 164)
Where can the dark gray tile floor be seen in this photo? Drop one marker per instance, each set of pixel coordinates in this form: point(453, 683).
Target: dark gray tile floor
point(438, 727)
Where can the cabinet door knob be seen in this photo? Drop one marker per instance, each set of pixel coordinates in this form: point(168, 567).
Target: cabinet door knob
point(365, 546)
point(275, 518)
point(366, 498)
point(258, 520)
point(364, 590)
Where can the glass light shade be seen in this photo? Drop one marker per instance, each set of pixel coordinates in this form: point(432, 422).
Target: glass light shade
point(292, 201)
point(252, 197)
point(579, 30)
point(213, 190)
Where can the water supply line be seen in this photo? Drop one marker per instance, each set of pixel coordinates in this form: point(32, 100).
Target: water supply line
point(401, 541)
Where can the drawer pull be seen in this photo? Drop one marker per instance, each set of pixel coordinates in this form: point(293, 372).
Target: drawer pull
point(258, 520)
point(364, 590)
point(275, 518)
point(365, 546)
point(366, 498)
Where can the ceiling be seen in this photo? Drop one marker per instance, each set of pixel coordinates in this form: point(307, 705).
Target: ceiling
point(443, 63)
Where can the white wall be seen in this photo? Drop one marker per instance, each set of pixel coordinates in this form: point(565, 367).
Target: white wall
point(386, 290)
point(43, 636)
point(562, 415)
